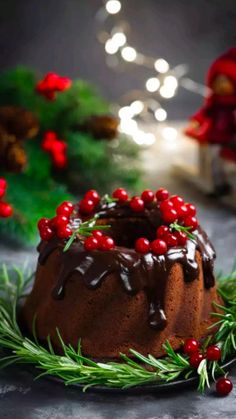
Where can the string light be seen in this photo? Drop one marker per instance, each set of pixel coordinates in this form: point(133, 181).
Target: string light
point(137, 107)
point(152, 84)
point(169, 133)
point(129, 54)
point(167, 92)
point(119, 39)
point(160, 114)
point(111, 47)
point(171, 82)
point(113, 6)
point(161, 65)
point(125, 113)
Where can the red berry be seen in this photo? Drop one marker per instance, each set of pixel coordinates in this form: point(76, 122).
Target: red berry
point(195, 359)
point(147, 196)
point(46, 233)
point(142, 245)
point(63, 83)
point(191, 221)
point(182, 211)
point(191, 209)
point(64, 232)
point(64, 209)
point(224, 386)
point(59, 221)
point(2, 192)
point(170, 240)
point(159, 247)
point(120, 194)
point(165, 205)
point(91, 243)
point(162, 231)
point(191, 346)
point(43, 222)
point(3, 183)
point(136, 204)
point(162, 194)
point(69, 204)
point(106, 243)
point(86, 206)
point(181, 238)
point(213, 353)
point(177, 200)
point(6, 210)
point(97, 234)
point(93, 195)
point(169, 215)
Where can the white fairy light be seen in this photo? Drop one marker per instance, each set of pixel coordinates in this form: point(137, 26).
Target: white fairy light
point(111, 47)
point(171, 82)
point(161, 65)
point(113, 6)
point(128, 126)
point(152, 84)
point(126, 112)
point(160, 115)
point(136, 107)
point(167, 92)
point(128, 54)
point(119, 39)
point(149, 138)
point(169, 133)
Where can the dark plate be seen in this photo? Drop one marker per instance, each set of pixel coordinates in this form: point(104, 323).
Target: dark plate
point(145, 388)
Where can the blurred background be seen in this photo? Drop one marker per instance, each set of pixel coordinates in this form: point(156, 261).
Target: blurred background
point(158, 62)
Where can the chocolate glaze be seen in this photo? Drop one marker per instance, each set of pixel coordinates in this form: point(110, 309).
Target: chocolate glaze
point(136, 272)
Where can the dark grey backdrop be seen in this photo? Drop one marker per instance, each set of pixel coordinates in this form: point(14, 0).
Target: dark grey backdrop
point(60, 35)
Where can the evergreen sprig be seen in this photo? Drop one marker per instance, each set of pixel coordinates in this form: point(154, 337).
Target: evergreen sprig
point(73, 368)
point(187, 230)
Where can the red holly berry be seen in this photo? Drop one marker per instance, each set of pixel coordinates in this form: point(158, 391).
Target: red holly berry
point(181, 238)
point(59, 160)
point(224, 386)
point(6, 210)
point(106, 243)
point(120, 194)
point(191, 346)
point(182, 211)
point(142, 245)
point(137, 204)
point(63, 83)
point(165, 205)
point(191, 221)
point(191, 209)
point(171, 240)
point(162, 231)
point(91, 243)
point(69, 204)
point(59, 221)
point(46, 233)
point(93, 195)
point(162, 194)
point(97, 234)
point(43, 222)
point(64, 209)
point(64, 232)
point(177, 200)
point(147, 196)
point(86, 206)
point(159, 247)
point(3, 183)
point(195, 359)
point(48, 140)
point(213, 353)
point(169, 215)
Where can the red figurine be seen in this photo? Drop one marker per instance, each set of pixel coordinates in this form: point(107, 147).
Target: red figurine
point(215, 122)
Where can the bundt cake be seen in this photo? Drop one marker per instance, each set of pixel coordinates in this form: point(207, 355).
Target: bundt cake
point(121, 273)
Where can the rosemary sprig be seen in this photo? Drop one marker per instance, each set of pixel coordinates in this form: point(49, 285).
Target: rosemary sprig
point(85, 229)
point(107, 199)
point(177, 227)
point(72, 367)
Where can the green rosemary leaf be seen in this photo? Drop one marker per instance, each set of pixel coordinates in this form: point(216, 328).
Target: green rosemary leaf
point(177, 227)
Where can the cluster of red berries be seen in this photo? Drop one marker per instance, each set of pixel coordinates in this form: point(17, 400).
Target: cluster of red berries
point(56, 148)
point(51, 84)
point(98, 241)
point(6, 209)
point(59, 225)
point(212, 353)
point(89, 202)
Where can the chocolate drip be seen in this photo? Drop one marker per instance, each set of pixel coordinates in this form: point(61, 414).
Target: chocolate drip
point(136, 272)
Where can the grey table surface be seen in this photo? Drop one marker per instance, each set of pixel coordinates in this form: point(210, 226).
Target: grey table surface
point(21, 397)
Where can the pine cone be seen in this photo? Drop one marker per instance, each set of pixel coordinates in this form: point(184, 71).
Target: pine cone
point(102, 126)
point(18, 122)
